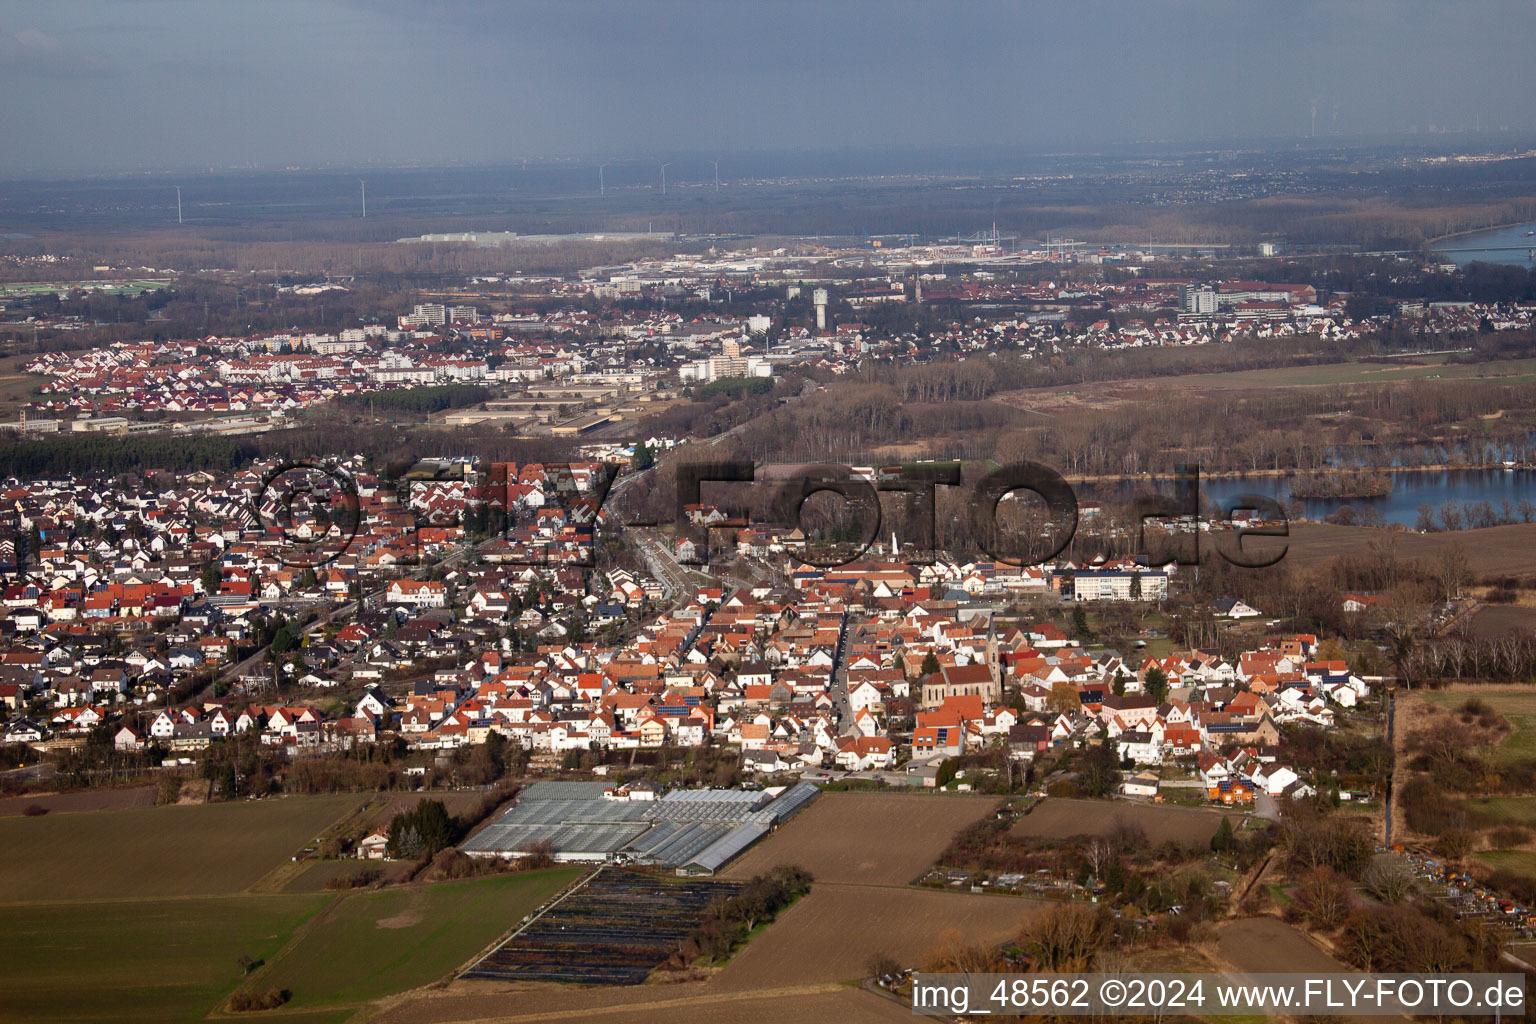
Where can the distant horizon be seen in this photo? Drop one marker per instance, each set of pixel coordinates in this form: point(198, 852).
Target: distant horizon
point(1446, 142)
point(100, 86)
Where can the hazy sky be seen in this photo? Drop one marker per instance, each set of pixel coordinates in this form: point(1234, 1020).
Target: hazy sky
point(113, 84)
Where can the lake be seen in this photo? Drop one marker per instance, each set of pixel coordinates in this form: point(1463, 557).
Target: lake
point(1410, 489)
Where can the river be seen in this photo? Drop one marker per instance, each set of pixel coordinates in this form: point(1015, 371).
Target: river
point(1491, 246)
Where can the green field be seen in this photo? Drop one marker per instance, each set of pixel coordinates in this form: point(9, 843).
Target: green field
point(145, 914)
point(1521, 862)
point(1519, 707)
point(158, 851)
point(371, 944)
point(1511, 810)
point(61, 288)
point(137, 960)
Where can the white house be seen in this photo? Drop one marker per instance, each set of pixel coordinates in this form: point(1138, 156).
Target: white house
point(374, 846)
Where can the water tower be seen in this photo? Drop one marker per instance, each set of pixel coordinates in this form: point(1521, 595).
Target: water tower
point(819, 297)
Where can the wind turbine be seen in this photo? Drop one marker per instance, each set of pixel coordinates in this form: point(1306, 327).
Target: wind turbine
point(717, 175)
point(364, 185)
point(663, 177)
point(178, 204)
point(602, 187)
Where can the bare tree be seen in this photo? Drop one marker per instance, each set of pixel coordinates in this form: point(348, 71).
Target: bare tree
point(1325, 897)
point(1452, 571)
point(1099, 852)
point(1066, 937)
point(1390, 880)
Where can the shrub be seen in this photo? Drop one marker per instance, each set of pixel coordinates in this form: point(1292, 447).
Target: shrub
point(1401, 939)
point(758, 901)
point(1455, 844)
point(1324, 898)
point(882, 965)
point(1066, 937)
point(1390, 880)
point(539, 854)
point(247, 1001)
point(1506, 836)
point(360, 880)
point(1429, 809)
point(1326, 841)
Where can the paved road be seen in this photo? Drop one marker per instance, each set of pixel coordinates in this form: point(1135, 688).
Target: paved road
point(845, 724)
point(32, 773)
point(835, 775)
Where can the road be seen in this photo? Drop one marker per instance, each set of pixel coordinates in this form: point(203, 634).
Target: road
point(897, 779)
point(663, 564)
point(32, 773)
point(840, 681)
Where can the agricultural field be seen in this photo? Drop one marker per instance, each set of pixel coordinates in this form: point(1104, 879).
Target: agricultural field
point(1505, 810)
point(1503, 550)
point(82, 800)
point(1057, 818)
point(158, 851)
point(155, 961)
point(1516, 705)
point(1497, 619)
point(158, 902)
point(367, 945)
point(613, 930)
point(847, 837)
point(1264, 944)
point(651, 1004)
point(1520, 862)
point(846, 1006)
point(795, 969)
point(831, 933)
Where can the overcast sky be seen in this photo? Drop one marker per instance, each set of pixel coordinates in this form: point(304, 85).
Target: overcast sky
point(89, 85)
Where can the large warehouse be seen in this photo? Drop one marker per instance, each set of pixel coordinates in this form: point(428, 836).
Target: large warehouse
point(696, 831)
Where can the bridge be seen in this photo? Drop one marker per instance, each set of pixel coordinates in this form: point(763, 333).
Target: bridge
point(1529, 246)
